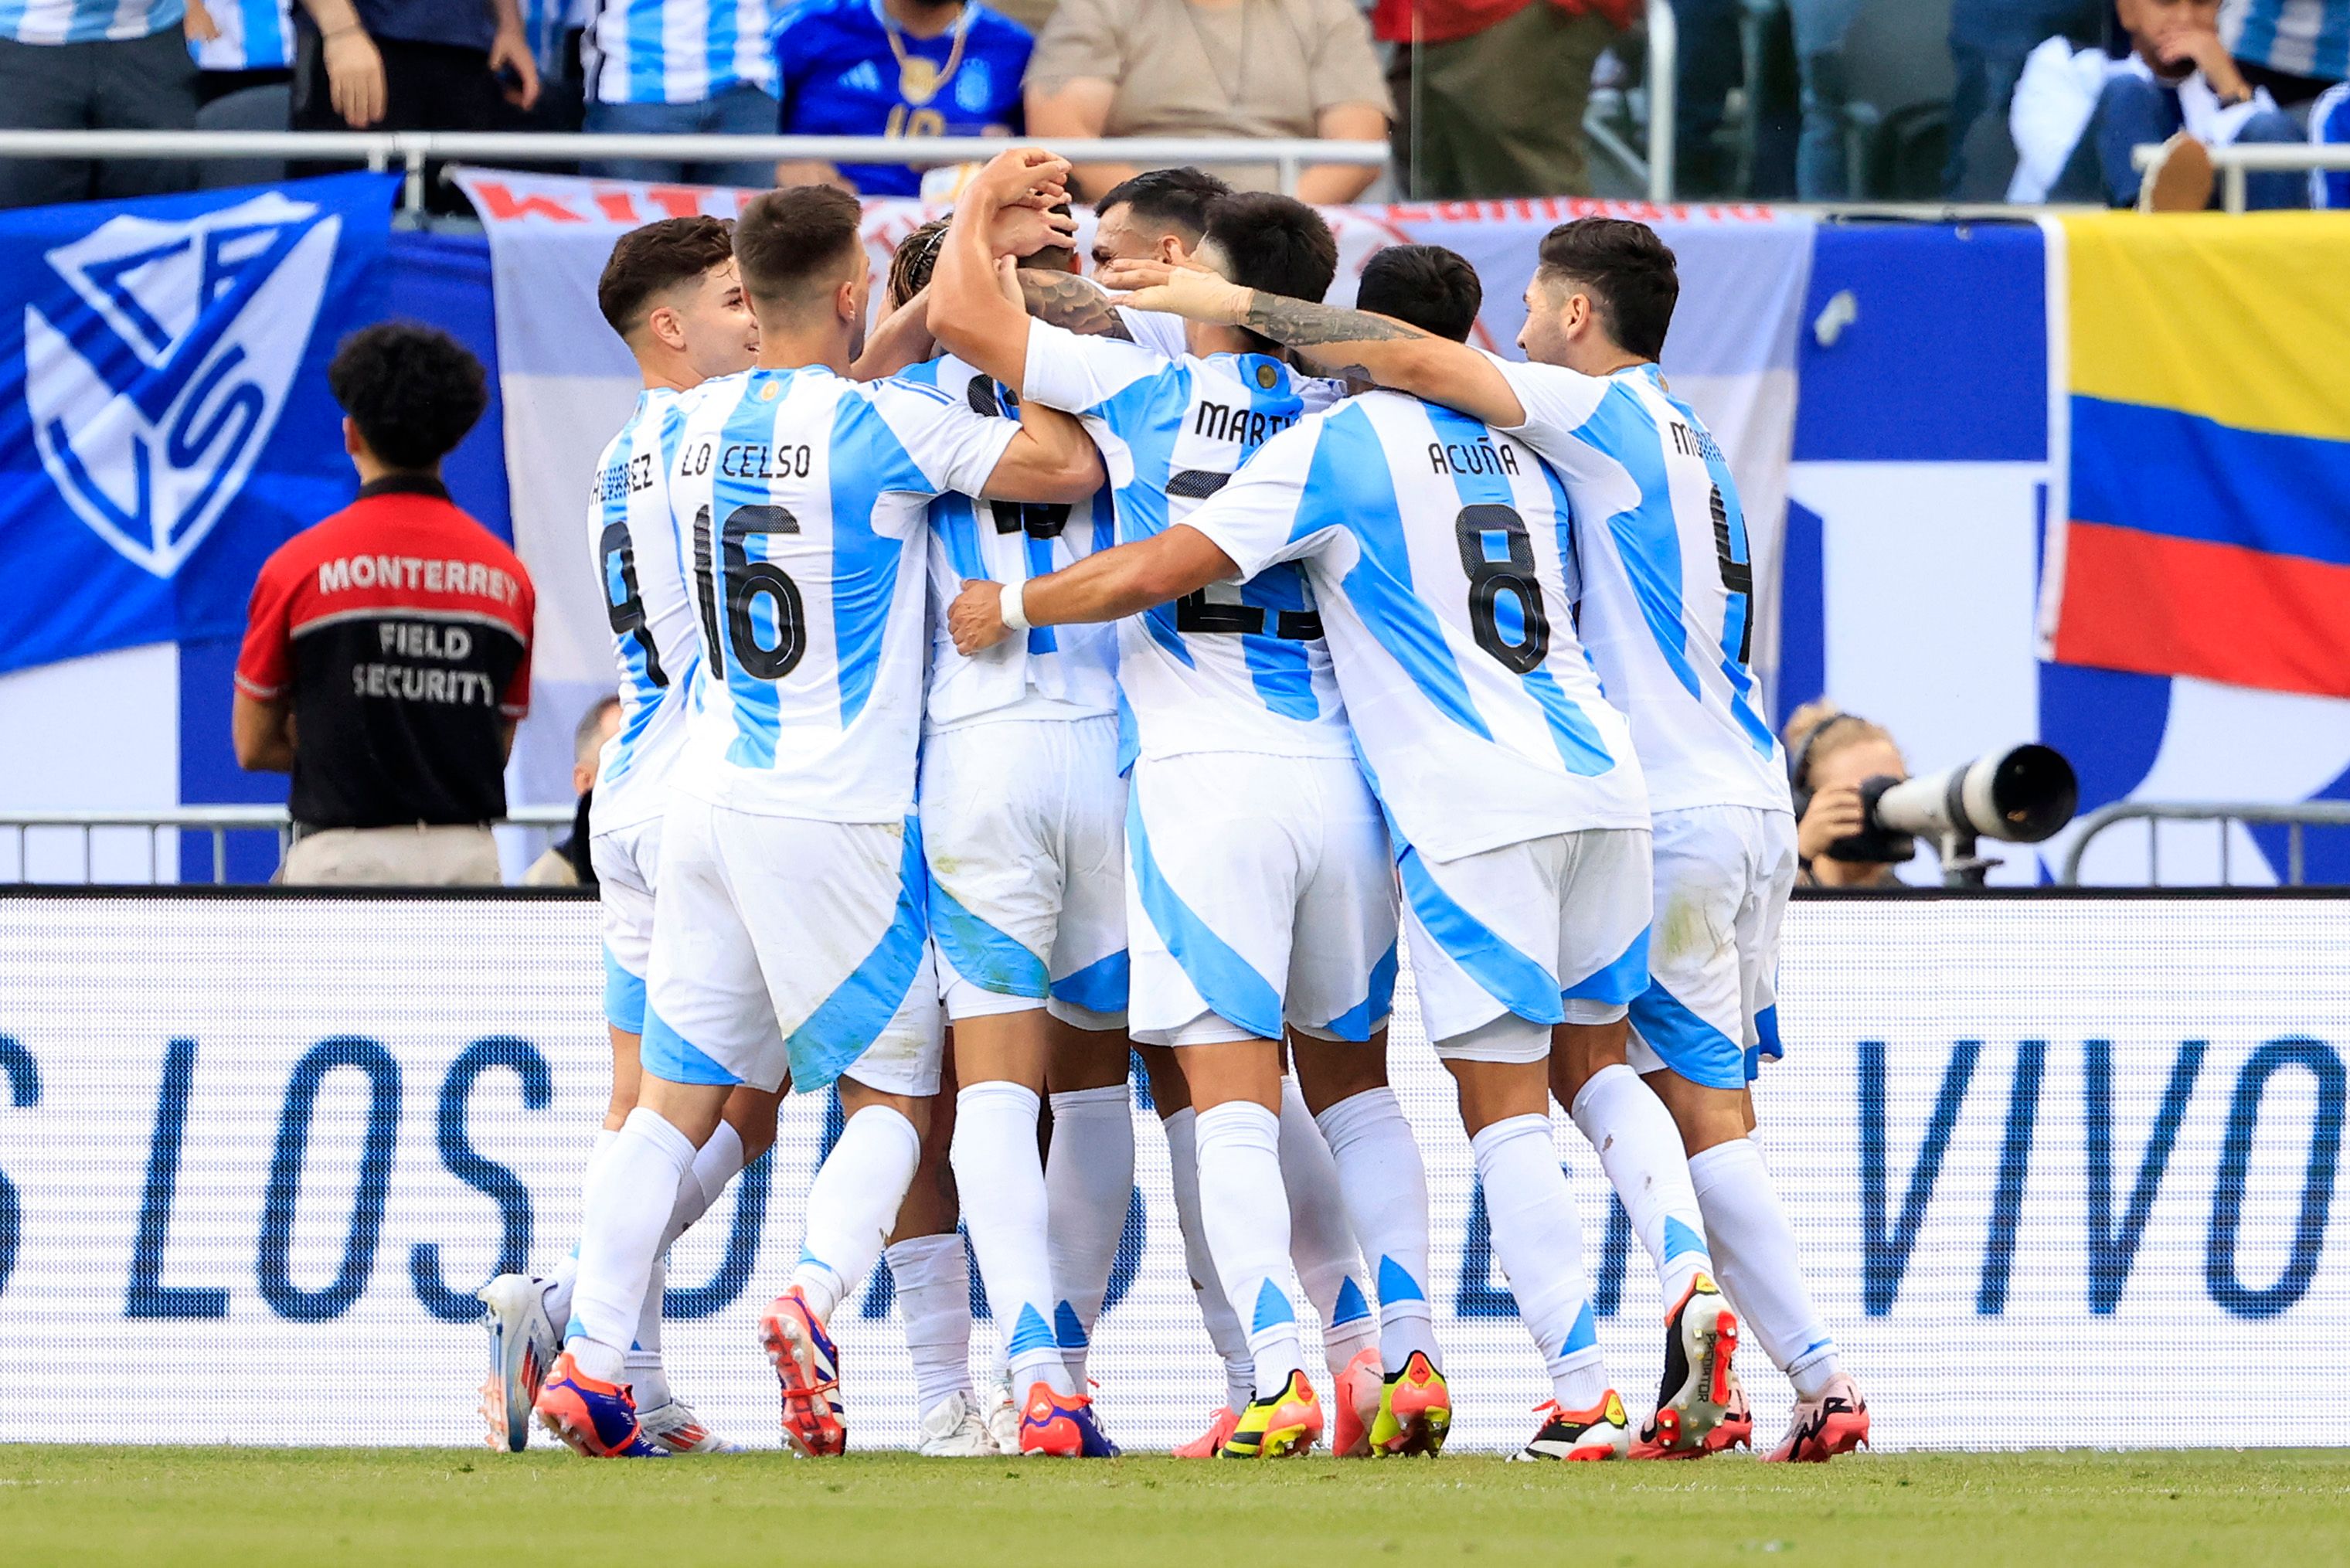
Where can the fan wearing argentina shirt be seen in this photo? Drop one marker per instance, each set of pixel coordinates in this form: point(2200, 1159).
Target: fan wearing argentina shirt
point(1260, 901)
point(1665, 612)
point(789, 936)
point(672, 291)
point(1440, 553)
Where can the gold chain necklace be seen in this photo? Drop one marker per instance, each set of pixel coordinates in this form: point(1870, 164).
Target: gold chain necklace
point(919, 80)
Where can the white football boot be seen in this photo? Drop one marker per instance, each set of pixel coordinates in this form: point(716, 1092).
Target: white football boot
point(675, 1427)
point(524, 1343)
point(954, 1430)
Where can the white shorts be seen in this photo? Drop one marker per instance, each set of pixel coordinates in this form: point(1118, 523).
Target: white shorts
point(1259, 891)
point(787, 946)
point(1023, 825)
point(627, 869)
point(1711, 1014)
point(1552, 930)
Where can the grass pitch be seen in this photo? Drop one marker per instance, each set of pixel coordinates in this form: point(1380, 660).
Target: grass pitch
point(242, 1506)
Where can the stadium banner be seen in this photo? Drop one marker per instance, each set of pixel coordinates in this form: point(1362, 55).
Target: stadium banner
point(569, 382)
point(164, 416)
point(2049, 1191)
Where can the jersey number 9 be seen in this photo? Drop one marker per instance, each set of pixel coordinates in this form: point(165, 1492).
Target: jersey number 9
point(1489, 579)
point(730, 575)
point(626, 613)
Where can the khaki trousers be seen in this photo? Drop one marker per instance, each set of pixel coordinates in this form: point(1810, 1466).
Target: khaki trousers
point(1499, 113)
point(408, 857)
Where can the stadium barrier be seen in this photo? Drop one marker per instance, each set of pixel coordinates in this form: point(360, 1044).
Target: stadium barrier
point(2236, 161)
point(2296, 817)
point(118, 846)
point(2062, 1168)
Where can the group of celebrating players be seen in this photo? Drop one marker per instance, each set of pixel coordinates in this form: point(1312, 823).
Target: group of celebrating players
point(1062, 666)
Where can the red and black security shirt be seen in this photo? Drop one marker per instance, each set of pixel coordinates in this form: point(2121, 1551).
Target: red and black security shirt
point(400, 632)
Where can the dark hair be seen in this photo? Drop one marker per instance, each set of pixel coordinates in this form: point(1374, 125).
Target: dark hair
point(1275, 243)
point(1171, 198)
point(789, 239)
point(1429, 287)
point(1052, 258)
point(1629, 273)
point(413, 390)
point(649, 261)
point(914, 260)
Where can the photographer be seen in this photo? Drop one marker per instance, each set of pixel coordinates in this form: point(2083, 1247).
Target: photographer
point(1830, 754)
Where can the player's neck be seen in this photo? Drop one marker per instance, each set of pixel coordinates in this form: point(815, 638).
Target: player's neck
point(667, 373)
point(1204, 339)
point(920, 20)
point(827, 347)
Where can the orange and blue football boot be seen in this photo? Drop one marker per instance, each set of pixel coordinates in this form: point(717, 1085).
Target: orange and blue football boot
point(1290, 1422)
point(1209, 1444)
point(1062, 1426)
point(1600, 1433)
point(1699, 1386)
point(1356, 1407)
point(808, 1371)
point(1415, 1410)
point(592, 1417)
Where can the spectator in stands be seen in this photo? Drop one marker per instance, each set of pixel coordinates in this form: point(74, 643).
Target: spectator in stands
point(1490, 94)
point(1250, 68)
point(2294, 48)
point(1988, 42)
point(82, 65)
point(566, 863)
point(682, 68)
point(1830, 754)
point(896, 69)
point(387, 656)
point(426, 64)
point(240, 45)
point(2177, 85)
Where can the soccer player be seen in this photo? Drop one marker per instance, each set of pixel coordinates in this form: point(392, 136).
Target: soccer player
point(1259, 898)
point(1439, 552)
point(671, 292)
point(789, 939)
point(1666, 611)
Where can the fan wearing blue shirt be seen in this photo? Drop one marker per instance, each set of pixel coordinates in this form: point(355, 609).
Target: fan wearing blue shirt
point(894, 67)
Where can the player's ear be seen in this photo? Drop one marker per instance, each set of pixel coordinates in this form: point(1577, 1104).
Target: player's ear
point(354, 444)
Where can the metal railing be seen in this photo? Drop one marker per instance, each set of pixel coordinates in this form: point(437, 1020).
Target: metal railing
point(219, 821)
point(2235, 162)
point(2295, 818)
point(413, 150)
point(1654, 168)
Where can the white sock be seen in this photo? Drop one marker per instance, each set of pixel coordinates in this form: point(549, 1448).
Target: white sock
point(1321, 1243)
point(853, 1203)
point(1754, 1248)
point(1640, 1149)
point(558, 1280)
point(1245, 1214)
point(715, 1164)
point(994, 1159)
point(647, 1381)
point(933, 1283)
point(1088, 1182)
point(1540, 1245)
point(629, 1206)
point(1216, 1311)
point(1386, 1190)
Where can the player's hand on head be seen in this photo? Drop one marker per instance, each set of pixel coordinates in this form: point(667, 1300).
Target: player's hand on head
point(975, 620)
point(1023, 230)
point(1183, 288)
point(1021, 176)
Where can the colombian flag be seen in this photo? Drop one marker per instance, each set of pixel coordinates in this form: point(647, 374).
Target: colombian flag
point(2207, 382)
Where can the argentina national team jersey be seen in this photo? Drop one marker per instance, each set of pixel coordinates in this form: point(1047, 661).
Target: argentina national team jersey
point(1066, 672)
point(1440, 554)
point(803, 496)
point(87, 21)
point(641, 560)
point(254, 35)
point(1233, 668)
point(677, 51)
point(1667, 602)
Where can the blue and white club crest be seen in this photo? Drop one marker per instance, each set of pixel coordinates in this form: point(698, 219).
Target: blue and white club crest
point(155, 376)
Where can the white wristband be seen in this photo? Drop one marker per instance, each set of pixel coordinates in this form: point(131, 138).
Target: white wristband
point(1014, 613)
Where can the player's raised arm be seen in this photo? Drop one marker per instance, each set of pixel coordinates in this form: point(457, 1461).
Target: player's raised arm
point(969, 312)
point(1105, 586)
point(1388, 352)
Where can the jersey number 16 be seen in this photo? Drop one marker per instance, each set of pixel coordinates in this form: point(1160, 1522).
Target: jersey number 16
point(729, 575)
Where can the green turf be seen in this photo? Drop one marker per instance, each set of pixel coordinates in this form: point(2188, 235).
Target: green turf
point(97, 1506)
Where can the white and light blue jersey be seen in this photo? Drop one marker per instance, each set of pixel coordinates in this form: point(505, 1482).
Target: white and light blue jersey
point(254, 36)
point(1052, 671)
point(1441, 553)
point(87, 21)
point(1667, 605)
point(803, 499)
point(677, 51)
point(2298, 37)
point(641, 560)
point(1233, 667)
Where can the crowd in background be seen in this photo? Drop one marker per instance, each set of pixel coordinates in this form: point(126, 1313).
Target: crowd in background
point(1816, 100)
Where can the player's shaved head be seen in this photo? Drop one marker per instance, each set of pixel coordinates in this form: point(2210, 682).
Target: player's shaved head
point(1628, 273)
point(1426, 286)
point(798, 244)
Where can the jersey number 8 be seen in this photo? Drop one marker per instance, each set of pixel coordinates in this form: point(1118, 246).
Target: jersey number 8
point(744, 582)
point(1489, 579)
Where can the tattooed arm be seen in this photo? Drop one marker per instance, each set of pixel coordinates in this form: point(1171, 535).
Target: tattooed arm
point(1346, 341)
point(1068, 300)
